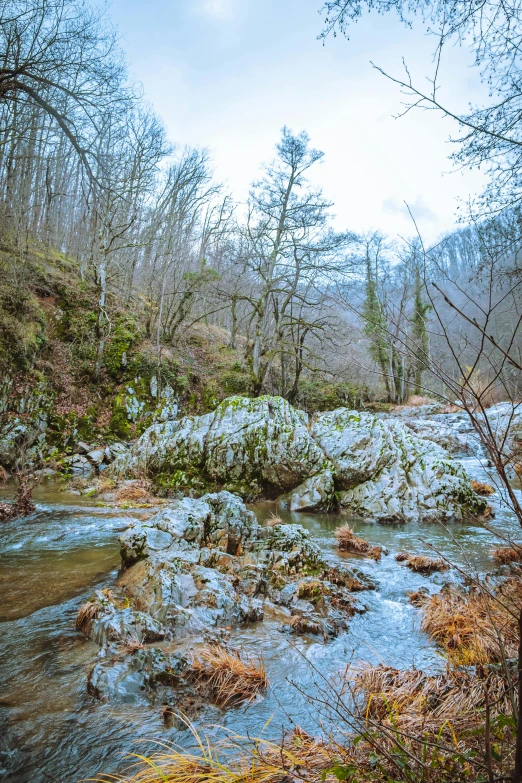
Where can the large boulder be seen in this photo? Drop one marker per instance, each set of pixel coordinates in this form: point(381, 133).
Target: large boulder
point(401, 477)
point(358, 445)
point(245, 445)
point(370, 465)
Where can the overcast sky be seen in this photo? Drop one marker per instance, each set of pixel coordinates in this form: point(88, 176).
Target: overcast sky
point(228, 74)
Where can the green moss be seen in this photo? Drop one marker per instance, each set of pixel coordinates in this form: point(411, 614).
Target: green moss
point(180, 481)
point(210, 397)
point(119, 424)
point(318, 395)
point(235, 382)
point(124, 335)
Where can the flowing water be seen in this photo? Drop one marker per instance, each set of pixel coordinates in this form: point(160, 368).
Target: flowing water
point(51, 729)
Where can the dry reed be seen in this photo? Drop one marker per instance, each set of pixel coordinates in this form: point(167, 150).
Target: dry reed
point(135, 492)
point(88, 611)
point(507, 554)
point(301, 625)
point(482, 489)
point(421, 564)
point(475, 627)
point(347, 541)
point(230, 678)
point(273, 519)
point(417, 702)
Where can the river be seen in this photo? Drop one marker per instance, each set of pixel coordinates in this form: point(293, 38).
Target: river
point(52, 729)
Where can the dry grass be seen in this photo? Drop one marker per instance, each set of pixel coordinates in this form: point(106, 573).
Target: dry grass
point(231, 679)
point(415, 400)
point(273, 519)
point(347, 541)
point(137, 491)
point(475, 627)
point(507, 554)
point(130, 646)
point(418, 598)
point(234, 759)
point(23, 504)
point(421, 564)
point(482, 489)
point(302, 625)
point(417, 702)
point(451, 408)
point(88, 611)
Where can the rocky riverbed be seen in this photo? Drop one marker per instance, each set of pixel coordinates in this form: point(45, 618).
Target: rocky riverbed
point(153, 586)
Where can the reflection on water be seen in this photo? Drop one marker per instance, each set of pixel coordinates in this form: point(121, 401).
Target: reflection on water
point(51, 562)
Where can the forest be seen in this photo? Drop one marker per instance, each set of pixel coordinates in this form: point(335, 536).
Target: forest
point(270, 411)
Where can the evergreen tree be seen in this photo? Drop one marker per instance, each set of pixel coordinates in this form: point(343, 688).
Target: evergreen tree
point(419, 332)
point(376, 327)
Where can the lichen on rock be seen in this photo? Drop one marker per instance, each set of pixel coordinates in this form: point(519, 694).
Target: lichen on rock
point(374, 467)
point(198, 567)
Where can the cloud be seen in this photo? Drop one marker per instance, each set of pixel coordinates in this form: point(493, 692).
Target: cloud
point(218, 9)
point(419, 209)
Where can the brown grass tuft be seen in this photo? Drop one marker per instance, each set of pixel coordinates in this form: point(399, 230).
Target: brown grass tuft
point(135, 492)
point(451, 408)
point(418, 598)
point(130, 646)
point(347, 541)
point(273, 519)
point(507, 554)
point(475, 627)
point(482, 489)
point(417, 702)
point(302, 625)
point(88, 611)
point(415, 400)
point(23, 504)
point(232, 680)
point(421, 564)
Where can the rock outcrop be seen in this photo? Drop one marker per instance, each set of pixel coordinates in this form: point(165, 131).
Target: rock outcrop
point(197, 570)
point(373, 467)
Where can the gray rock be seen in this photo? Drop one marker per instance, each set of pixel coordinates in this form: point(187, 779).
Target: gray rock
point(316, 492)
point(96, 456)
point(373, 466)
point(135, 678)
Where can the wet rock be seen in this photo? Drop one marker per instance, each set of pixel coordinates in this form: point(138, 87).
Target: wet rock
point(289, 548)
point(288, 594)
point(96, 456)
point(137, 677)
point(218, 519)
point(373, 466)
point(199, 566)
point(316, 492)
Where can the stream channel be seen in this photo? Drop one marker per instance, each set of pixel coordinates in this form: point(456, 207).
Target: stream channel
point(50, 563)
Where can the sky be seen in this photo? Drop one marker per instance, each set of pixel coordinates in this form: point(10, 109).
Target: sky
point(229, 74)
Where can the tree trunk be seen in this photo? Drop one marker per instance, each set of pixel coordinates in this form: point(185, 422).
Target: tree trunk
point(517, 772)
